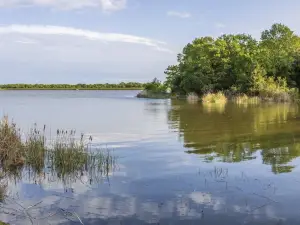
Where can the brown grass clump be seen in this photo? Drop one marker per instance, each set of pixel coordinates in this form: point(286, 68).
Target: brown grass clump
point(11, 146)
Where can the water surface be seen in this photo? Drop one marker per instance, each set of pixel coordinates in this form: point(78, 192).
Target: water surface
point(177, 163)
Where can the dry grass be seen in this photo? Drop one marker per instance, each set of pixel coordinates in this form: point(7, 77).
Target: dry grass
point(192, 98)
point(218, 98)
point(11, 146)
point(66, 156)
point(244, 99)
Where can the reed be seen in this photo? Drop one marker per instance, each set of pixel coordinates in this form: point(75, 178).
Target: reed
point(67, 156)
point(218, 98)
point(11, 146)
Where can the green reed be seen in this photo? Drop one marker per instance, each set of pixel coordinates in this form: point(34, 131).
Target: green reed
point(67, 156)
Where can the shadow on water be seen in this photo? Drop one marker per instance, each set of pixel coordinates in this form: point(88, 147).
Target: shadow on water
point(235, 133)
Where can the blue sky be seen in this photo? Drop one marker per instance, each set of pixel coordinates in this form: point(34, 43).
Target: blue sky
point(94, 41)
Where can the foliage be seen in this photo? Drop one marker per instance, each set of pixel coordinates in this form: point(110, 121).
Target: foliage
point(155, 86)
point(228, 63)
point(154, 89)
point(269, 87)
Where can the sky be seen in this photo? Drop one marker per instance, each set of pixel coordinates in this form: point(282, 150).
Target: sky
point(97, 41)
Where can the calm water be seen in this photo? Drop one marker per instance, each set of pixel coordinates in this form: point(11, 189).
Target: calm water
point(177, 163)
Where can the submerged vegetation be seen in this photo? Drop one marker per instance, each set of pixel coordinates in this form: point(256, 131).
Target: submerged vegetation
point(239, 65)
point(66, 157)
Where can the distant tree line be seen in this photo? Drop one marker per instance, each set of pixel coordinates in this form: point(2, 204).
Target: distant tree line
point(238, 63)
point(122, 85)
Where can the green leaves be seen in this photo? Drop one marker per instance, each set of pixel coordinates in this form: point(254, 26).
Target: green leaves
point(216, 64)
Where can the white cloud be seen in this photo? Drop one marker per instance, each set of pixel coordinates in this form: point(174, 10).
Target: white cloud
point(30, 53)
point(182, 15)
point(106, 5)
point(87, 34)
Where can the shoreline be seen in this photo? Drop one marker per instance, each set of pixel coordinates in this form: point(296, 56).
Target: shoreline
point(70, 89)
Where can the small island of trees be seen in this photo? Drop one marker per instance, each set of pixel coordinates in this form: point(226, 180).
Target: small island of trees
point(235, 65)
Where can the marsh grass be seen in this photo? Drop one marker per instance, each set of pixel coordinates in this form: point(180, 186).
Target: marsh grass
point(218, 98)
point(35, 149)
point(11, 146)
point(67, 156)
point(247, 100)
point(192, 98)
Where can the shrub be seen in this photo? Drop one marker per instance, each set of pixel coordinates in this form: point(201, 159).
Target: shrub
point(154, 89)
point(155, 86)
point(270, 88)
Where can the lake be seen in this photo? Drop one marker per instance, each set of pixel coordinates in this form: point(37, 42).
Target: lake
point(175, 162)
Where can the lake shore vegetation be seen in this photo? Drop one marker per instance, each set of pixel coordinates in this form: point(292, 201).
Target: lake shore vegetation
point(240, 68)
point(106, 86)
point(154, 89)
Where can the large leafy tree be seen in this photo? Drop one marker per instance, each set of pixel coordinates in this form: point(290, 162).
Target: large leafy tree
point(229, 61)
point(209, 64)
point(278, 46)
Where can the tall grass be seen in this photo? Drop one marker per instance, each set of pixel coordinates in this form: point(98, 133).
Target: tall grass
point(192, 98)
point(218, 97)
point(11, 146)
point(35, 149)
point(247, 100)
point(66, 156)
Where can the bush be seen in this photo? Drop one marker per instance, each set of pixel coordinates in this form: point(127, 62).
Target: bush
point(270, 88)
point(154, 89)
point(155, 86)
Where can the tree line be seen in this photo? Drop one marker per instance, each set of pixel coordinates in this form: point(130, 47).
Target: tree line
point(238, 63)
point(122, 85)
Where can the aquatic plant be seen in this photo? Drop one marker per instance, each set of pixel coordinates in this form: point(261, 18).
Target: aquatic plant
point(244, 99)
point(35, 148)
point(11, 146)
point(192, 97)
point(67, 156)
point(218, 97)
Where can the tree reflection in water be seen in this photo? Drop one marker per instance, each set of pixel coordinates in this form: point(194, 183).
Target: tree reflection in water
point(234, 133)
